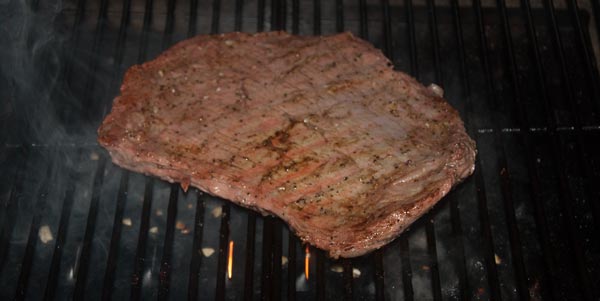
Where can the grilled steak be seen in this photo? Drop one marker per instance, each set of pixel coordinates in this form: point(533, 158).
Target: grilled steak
point(319, 131)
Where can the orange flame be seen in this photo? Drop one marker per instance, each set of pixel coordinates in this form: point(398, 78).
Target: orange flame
point(230, 260)
point(306, 262)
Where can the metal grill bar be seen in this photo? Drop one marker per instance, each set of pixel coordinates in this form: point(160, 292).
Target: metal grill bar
point(321, 280)
point(169, 24)
point(406, 268)
point(521, 115)
point(379, 288)
point(33, 4)
point(260, 16)
point(483, 205)
point(565, 194)
point(460, 262)
point(317, 17)
point(249, 268)
point(120, 47)
point(111, 265)
point(143, 50)
point(223, 247)
point(540, 218)
point(482, 200)
point(89, 102)
point(291, 293)
point(566, 198)
point(165, 262)
point(590, 65)
point(224, 229)
point(267, 288)
point(388, 51)
point(432, 252)
point(196, 247)
point(140, 257)
point(83, 263)
point(251, 231)
point(239, 5)
point(271, 260)
point(267, 259)
point(559, 45)
point(592, 79)
point(430, 225)
point(66, 68)
point(466, 91)
point(347, 263)
point(165, 266)
point(291, 285)
point(348, 290)
point(277, 17)
point(196, 259)
point(276, 260)
point(364, 26)
point(216, 16)
point(9, 208)
point(32, 237)
point(283, 12)
point(387, 30)
point(339, 15)
point(86, 247)
point(61, 237)
point(277, 14)
point(194, 18)
point(509, 208)
point(487, 234)
point(295, 17)
point(435, 41)
point(414, 70)
point(596, 10)
point(410, 19)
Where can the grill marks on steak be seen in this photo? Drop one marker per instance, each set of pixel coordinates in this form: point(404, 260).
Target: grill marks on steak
point(319, 131)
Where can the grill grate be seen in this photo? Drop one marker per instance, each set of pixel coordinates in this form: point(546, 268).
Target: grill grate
point(522, 74)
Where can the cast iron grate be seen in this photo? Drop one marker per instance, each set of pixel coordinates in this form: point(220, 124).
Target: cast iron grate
point(525, 225)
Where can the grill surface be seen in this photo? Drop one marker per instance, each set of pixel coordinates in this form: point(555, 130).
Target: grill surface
point(525, 225)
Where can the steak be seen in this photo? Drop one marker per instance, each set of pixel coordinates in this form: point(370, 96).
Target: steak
point(318, 131)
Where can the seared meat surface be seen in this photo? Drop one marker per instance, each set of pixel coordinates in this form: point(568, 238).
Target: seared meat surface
point(319, 131)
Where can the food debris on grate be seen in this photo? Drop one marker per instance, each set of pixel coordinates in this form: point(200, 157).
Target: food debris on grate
point(45, 234)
